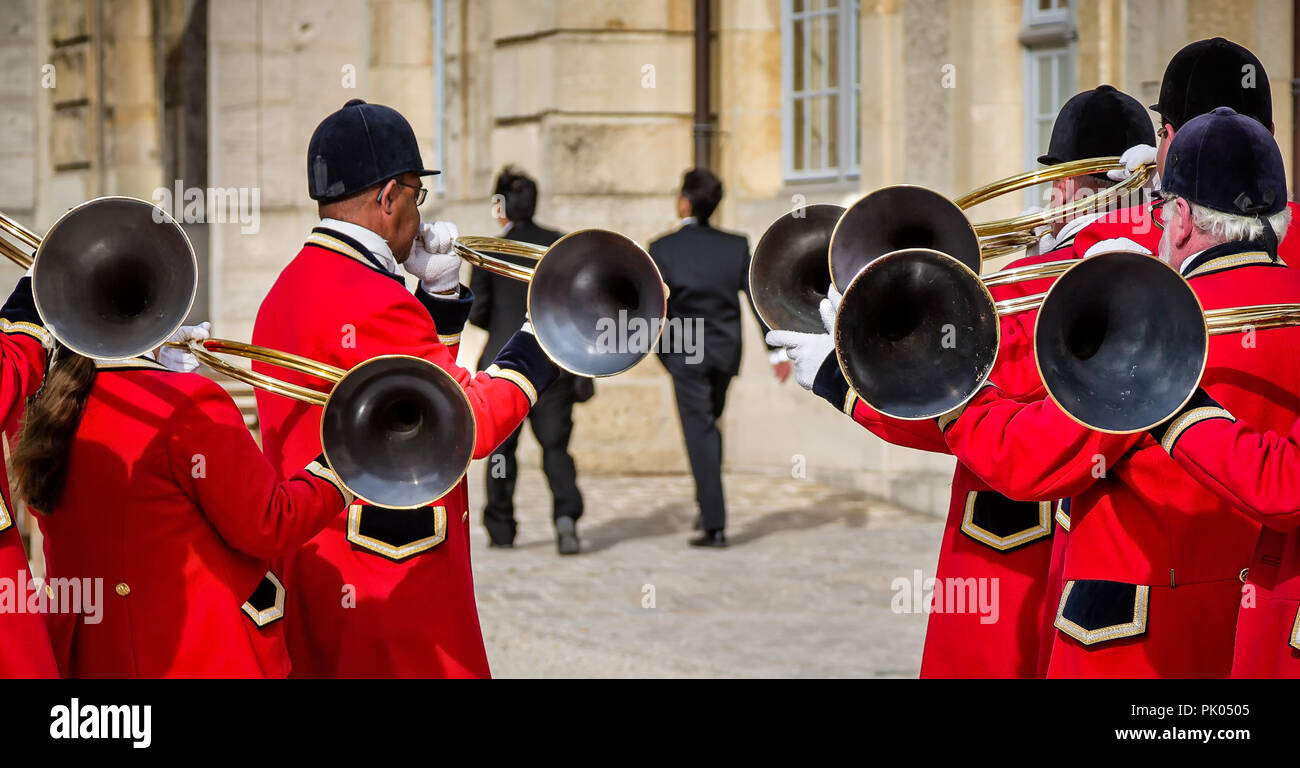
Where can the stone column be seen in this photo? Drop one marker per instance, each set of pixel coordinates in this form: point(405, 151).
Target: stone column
point(594, 101)
point(20, 93)
point(276, 68)
point(882, 115)
point(131, 97)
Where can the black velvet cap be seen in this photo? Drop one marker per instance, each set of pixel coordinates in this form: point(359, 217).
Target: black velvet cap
point(1227, 162)
point(1214, 73)
point(1098, 123)
point(357, 147)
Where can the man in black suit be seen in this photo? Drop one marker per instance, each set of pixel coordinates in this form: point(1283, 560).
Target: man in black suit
point(499, 307)
point(706, 270)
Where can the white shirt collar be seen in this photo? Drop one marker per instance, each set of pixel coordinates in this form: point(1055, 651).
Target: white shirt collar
point(509, 226)
point(371, 240)
point(1073, 226)
point(1186, 266)
point(686, 221)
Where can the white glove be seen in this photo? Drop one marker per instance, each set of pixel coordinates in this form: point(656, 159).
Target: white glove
point(808, 351)
point(829, 307)
point(1116, 245)
point(432, 258)
point(183, 360)
point(1133, 158)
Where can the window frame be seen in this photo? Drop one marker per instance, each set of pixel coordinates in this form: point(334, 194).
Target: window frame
point(1045, 34)
point(1033, 109)
point(440, 96)
point(847, 91)
point(1033, 16)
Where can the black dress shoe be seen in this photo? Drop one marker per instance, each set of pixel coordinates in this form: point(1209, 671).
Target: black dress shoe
point(566, 536)
point(716, 539)
point(494, 544)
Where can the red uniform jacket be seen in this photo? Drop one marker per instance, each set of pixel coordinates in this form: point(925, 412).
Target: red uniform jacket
point(172, 505)
point(1140, 223)
point(1258, 472)
point(1017, 372)
point(990, 542)
point(382, 593)
point(1151, 570)
point(24, 642)
point(1288, 250)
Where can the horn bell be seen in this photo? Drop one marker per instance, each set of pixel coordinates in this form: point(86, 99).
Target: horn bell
point(916, 333)
point(898, 217)
point(1121, 342)
point(114, 278)
point(398, 431)
point(597, 303)
point(789, 273)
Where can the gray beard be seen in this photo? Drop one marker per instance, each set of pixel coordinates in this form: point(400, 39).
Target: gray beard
point(1166, 249)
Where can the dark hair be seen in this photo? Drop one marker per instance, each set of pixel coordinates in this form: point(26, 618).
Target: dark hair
point(345, 207)
point(703, 191)
point(519, 192)
point(40, 461)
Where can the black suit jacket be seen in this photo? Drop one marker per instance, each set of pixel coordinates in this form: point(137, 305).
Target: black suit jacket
point(500, 302)
point(706, 270)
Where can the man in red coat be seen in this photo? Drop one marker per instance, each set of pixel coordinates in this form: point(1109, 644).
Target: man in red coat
point(1201, 76)
point(990, 540)
point(1151, 585)
point(1258, 473)
point(382, 592)
point(1196, 80)
point(23, 344)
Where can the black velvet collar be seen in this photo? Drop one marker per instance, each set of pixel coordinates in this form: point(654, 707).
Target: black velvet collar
point(1228, 249)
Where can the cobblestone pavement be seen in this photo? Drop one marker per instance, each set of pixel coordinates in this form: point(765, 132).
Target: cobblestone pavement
point(803, 591)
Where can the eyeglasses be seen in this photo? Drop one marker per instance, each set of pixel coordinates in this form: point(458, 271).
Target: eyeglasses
point(1162, 209)
point(420, 192)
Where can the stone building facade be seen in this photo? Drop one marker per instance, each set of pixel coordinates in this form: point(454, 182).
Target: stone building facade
point(595, 99)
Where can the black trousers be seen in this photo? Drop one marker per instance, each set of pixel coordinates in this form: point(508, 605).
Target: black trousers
point(552, 421)
point(701, 395)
